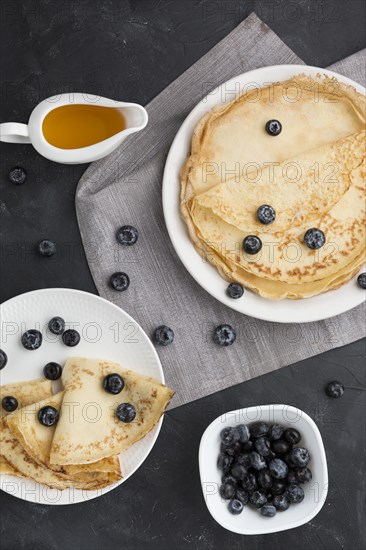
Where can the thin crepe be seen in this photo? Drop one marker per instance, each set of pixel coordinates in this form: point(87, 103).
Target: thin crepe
point(88, 429)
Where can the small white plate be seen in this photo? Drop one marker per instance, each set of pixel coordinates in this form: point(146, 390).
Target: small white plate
point(284, 311)
point(107, 332)
point(250, 521)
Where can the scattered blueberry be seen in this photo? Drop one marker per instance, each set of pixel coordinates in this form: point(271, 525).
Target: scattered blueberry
point(258, 498)
point(268, 511)
point(249, 483)
point(266, 214)
point(263, 447)
point(314, 238)
point(120, 281)
point(224, 335)
point(113, 383)
point(275, 432)
point(127, 235)
point(17, 175)
point(244, 433)
point(252, 244)
point(3, 359)
point(126, 412)
point(9, 403)
point(71, 338)
point(235, 291)
point(299, 457)
point(32, 339)
point(259, 429)
point(334, 389)
point(48, 416)
point(47, 248)
point(278, 468)
point(304, 475)
point(56, 325)
point(294, 493)
point(281, 503)
point(52, 371)
point(242, 495)
point(281, 447)
point(265, 479)
point(164, 335)
point(361, 280)
point(257, 461)
point(292, 436)
point(273, 127)
point(278, 487)
point(227, 490)
point(238, 471)
point(235, 506)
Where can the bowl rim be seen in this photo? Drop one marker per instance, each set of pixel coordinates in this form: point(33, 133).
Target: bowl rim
point(272, 528)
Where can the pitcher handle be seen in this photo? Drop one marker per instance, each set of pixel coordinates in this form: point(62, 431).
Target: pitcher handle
point(14, 132)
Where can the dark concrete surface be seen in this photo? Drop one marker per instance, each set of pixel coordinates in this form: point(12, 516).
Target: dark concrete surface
point(131, 50)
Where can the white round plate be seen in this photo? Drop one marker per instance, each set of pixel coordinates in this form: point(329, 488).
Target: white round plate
point(284, 311)
point(107, 332)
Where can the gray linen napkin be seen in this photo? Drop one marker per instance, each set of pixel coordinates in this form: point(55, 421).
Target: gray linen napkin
point(125, 188)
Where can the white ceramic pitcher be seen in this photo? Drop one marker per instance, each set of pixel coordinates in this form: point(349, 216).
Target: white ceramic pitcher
point(135, 116)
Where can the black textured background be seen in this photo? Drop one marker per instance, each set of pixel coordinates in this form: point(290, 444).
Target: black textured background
point(130, 50)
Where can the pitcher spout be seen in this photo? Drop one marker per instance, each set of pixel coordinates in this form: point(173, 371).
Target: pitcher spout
point(136, 116)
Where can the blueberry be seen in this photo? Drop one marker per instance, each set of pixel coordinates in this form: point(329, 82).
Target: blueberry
point(244, 459)
point(281, 503)
point(257, 461)
point(127, 235)
point(265, 479)
point(266, 214)
point(281, 447)
point(273, 127)
point(263, 447)
point(304, 475)
point(235, 506)
point(47, 248)
point(292, 436)
point(231, 450)
point(3, 359)
point(275, 432)
point(32, 339)
point(228, 478)
point(252, 244)
point(52, 371)
point(224, 462)
point(48, 416)
point(238, 471)
point(164, 335)
point(113, 383)
point(291, 477)
point(361, 280)
point(224, 335)
point(71, 338)
point(56, 325)
point(294, 493)
point(299, 457)
point(268, 511)
point(314, 238)
point(227, 490)
point(248, 446)
point(120, 281)
point(235, 291)
point(249, 483)
point(244, 433)
point(278, 468)
point(258, 498)
point(242, 495)
point(278, 487)
point(9, 403)
point(259, 429)
point(334, 389)
point(17, 175)
point(126, 412)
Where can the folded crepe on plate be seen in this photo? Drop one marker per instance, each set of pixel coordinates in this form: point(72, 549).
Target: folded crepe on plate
point(25, 393)
point(88, 428)
point(312, 174)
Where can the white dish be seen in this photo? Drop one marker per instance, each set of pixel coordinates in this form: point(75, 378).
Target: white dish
point(106, 332)
point(250, 521)
point(284, 311)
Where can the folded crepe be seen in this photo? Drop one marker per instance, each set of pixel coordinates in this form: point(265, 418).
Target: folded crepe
point(88, 429)
point(25, 393)
point(36, 441)
point(313, 174)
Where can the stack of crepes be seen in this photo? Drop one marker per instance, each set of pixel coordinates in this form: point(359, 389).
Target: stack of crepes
point(81, 450)
point(312, 174)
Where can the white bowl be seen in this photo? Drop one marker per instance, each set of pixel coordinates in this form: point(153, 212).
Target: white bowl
point(250, 521)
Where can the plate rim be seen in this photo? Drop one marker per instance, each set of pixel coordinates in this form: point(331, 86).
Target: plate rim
point(322, 313)
point(88, 495)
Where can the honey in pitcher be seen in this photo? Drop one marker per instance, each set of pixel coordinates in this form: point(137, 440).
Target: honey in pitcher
point(76, 126)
